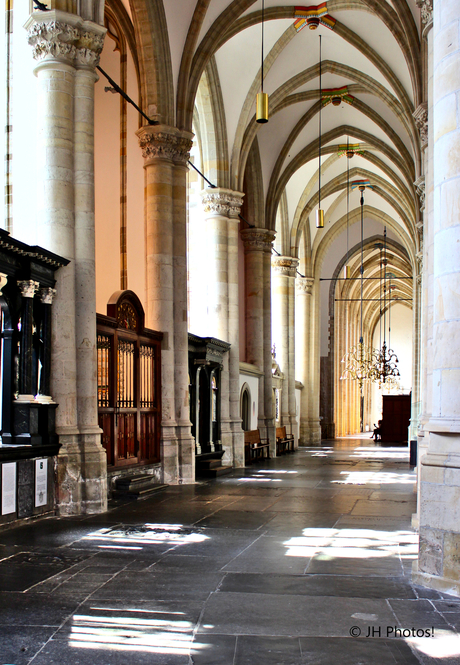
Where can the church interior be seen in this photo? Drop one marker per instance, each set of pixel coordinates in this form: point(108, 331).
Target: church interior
point(233, 256)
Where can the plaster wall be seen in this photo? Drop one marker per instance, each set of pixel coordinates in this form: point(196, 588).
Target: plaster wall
point(107, 185)
point(253, 383)
point(401, 343)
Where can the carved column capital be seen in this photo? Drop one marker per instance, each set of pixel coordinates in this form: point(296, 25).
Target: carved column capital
point(420, 116)
point(28, 287)
point(220, 201)
point(426, 10)
point(89, 47)
point(58, 36)
point(285, 265)
point(163, 142)
point(260, 240)
point(304, 285)
point(47, 295)
point(3, 282)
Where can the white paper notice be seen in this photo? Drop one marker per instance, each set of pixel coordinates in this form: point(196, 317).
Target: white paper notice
point(8, 488)
point(41, 482)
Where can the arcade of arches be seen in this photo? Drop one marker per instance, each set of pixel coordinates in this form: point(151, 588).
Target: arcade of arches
point(235, 259)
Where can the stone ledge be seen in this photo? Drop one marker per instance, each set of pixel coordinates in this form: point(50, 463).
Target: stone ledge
point(443, 584)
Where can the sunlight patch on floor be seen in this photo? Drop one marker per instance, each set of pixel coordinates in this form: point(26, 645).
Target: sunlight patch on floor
point(352, 543)
point(374, 478)
point(116, 632)
point(146, 534)
point(444, 644)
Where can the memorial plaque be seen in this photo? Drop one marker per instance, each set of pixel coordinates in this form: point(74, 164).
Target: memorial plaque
point(41, 482)
point(8, 488)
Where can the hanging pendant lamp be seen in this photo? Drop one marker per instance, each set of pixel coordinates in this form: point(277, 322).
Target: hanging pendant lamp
point(387, 360)
point(319, 212)
point(262, 97)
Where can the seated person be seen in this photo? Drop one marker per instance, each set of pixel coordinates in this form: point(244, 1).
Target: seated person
point(377, 434)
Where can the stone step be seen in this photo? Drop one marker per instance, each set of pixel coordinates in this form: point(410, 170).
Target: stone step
point(209, 464)
point(213, 472)
point(136, 486)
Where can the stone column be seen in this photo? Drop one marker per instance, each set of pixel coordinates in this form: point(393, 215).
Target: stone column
point(44, 388)
point(304, 287)
point(314, 367)
point(221, 207)
point(425, 188)
point(258, 247)
point(27, 391)
point(439, 561)
point(67, 49)
point(185, 440)
point(165, 151)
point(284, 274)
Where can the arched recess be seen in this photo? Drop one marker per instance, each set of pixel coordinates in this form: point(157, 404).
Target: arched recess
point(212, 127)
point(152, 41)
point(245, 407)
point(129, 381)
point(340, 399)
point(254, 201)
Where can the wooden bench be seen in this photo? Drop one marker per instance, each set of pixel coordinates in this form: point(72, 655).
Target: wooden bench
point(255, 447)
point(284, 442)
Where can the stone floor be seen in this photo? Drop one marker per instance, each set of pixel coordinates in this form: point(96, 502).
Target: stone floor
point(305, 559)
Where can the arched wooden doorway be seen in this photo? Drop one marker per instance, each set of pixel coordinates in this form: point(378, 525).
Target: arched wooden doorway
point(128, 371)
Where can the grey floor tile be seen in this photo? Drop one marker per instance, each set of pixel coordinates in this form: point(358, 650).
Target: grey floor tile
point(289, 615)
point(19, 644)
point(379, 566)
point(267, 650)
point(168, 585)
point(319, 585)
point(360, 651)
point(418, 613)
point(268, 554)
point(149, 652)
point(33, 609)
point(235, 519)
point(213, 649)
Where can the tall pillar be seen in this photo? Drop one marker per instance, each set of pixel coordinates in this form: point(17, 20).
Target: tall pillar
point(304, 287)
point(284, 274)
point(258, 246)
point(165, 151)
point(439, 560)
point(221, 207)
point(425, 187)
point(66, 48)
point(314, 422)
point(27, 390)
point(181, 371)
point(44, 389)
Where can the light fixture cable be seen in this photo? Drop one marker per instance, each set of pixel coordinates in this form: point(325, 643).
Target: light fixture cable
point(319, 212)
point(262, 97)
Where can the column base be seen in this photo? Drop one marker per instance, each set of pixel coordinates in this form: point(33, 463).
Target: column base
point(186, 444)
point(238, 444)
point(226, 439)
point(443, 584)
point(81, 475)
point(310, 433)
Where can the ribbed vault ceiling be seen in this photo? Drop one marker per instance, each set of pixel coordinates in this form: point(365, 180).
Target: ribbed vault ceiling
point(374, 49)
